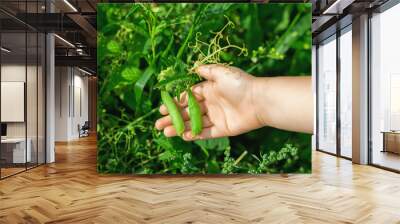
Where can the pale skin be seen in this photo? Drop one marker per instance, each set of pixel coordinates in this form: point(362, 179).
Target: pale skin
point(234, 102)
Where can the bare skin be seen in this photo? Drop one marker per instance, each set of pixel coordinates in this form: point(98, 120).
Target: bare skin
point(234, 102)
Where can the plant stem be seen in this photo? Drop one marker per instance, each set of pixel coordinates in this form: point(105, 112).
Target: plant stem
point(137, 120)
point(244, 153)
point(185, 43)
point(146, 161)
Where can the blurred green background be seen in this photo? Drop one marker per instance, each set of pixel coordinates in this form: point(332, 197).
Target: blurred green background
point(135, 40)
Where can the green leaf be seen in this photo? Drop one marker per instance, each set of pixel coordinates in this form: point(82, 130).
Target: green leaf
point(146, 46)
point(213, 167)
point(136, 28)
point(169, 46)
point(101, 49)
point(113, 47)
point(166, 156)
point(141, 83)
point(110, 28)
point(284, 22)
point(298, 27)
point(130, 100)
point(254, 25)
point(216, 143)
point(132, 10)
point(131, 74)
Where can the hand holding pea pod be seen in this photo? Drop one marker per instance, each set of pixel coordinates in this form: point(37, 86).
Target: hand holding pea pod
point(219, 106)
point(175, 114)
point(176, 117)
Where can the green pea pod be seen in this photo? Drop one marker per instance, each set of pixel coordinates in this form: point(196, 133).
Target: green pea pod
point(174, 112)
point(195, 114)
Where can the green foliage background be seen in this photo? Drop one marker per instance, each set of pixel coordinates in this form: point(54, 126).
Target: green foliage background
point(137, 41)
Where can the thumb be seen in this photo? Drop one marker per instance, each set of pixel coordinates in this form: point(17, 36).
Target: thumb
point(211, 71)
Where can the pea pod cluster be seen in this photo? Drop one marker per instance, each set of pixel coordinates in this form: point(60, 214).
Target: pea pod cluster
point(176, 117)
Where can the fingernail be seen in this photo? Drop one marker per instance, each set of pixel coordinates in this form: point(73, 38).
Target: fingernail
point(205, 68)
point(186, 136)
point(200, 69)
point(157, 125)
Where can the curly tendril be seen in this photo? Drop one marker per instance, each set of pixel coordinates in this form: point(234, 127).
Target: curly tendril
point(210, 53)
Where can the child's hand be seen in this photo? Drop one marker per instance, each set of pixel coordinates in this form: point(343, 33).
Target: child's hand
point(234, 102)
point(227, 104)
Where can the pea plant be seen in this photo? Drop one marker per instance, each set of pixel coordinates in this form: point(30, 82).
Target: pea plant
point(147, 56)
